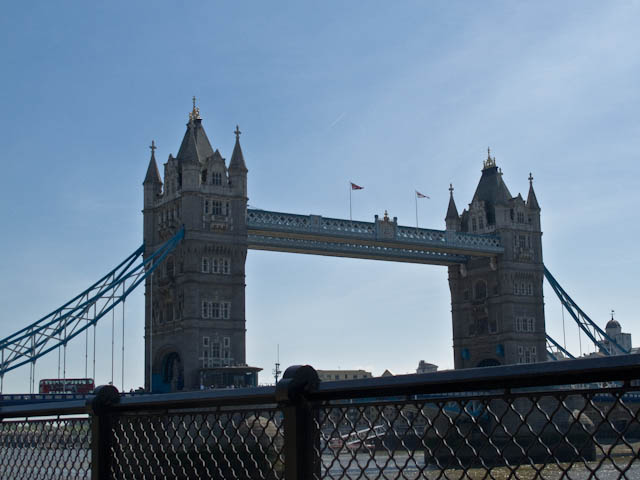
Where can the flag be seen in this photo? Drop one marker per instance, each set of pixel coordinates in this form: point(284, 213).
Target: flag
point(355, 187)
point(418, 194)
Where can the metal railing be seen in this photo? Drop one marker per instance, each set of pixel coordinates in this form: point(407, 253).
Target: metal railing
point(572, 419)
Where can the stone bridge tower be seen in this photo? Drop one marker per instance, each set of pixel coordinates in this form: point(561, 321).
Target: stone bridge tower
point(497, 304)
point(195, 300)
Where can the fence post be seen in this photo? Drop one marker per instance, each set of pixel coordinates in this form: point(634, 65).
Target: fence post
point(301, 433)
point(101, 429)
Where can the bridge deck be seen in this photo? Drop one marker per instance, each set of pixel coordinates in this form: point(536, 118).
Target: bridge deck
point(379, 240)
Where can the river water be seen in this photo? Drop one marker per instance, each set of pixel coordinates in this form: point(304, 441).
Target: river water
point(403, 466)
point(74, 464)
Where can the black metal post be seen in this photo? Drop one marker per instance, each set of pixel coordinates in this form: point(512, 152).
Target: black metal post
point(301, 434)
point(101, 429)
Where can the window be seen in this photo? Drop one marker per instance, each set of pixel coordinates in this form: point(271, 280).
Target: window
point(480, 290)
point(170, 267)
point(207, 209)
point(216, 207)
point(529, 288)
point(215, 350)
point(203, 177)
point(216, 310)
point(217, 178)
point(205, 265)
point(480, 223)
point(527, 354)
point(493, 326)
point(522, 241)
point(525, 324)
point(205, 341)
point(520, 217)
point(474, 225)
point(205, 358)
point(221, 265)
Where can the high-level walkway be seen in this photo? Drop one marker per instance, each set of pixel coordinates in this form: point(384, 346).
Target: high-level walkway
point(382, 239)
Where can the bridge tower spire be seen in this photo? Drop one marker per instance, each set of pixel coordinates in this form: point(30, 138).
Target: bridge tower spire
point(197, 318)
point(497, 303)
point(452, 219)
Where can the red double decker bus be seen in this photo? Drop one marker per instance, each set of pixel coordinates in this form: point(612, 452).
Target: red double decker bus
point(67, 385)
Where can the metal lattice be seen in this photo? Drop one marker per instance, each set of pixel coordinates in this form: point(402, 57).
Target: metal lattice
point(241, 444)
point(550, 434)
point(45, 449)
point(577, 419)
point(65, 323)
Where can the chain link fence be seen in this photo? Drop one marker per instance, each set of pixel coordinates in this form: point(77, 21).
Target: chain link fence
point(45, 448)
point(571, 420)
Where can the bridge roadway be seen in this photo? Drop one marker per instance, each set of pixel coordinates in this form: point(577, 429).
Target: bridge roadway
point(379, 240)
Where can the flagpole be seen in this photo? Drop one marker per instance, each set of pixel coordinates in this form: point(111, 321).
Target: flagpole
point(350, 190)
point(416, 195)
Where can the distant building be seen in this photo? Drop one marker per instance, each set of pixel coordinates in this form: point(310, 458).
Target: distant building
point(336, 375)
point(614, 331)
point(424, 367)
point(386, 373)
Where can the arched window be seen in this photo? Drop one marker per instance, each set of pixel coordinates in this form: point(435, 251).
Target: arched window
point(480, 290)
point(170, 267)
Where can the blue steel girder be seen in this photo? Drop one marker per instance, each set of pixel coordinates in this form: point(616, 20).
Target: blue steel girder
point(599, 337)
point(379, 240)
point(84, 310)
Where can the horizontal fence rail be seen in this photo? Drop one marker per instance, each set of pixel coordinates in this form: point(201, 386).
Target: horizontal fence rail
point(571, 419)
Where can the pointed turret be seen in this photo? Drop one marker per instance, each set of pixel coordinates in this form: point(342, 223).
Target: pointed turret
point(153, 174)
point(195, 147)
point(452, 219)
point(237, 159)
point(491, 189)
point(237, 168)
point(532, 201)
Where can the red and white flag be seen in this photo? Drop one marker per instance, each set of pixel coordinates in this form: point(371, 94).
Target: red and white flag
point(418, 194)
point(355, 187)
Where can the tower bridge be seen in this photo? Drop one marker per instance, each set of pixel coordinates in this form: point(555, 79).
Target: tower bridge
point(195, 306)
point(198, 229)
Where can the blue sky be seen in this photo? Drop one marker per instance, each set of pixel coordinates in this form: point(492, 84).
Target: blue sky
point(395, 96)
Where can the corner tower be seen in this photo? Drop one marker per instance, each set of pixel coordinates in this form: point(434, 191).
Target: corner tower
point(195, 301)
point(497, 304)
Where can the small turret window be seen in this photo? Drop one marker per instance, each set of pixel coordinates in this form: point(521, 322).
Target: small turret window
point(170, 267)
point(520, 217)
point(480, 290)
point(207, 209)
point(203, 177)
point(217, 178)
point(474, 224)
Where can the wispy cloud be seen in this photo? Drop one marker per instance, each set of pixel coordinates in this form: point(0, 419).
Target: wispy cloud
point(335, 122)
